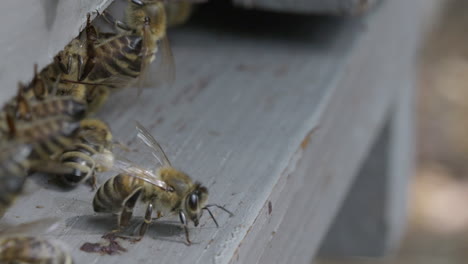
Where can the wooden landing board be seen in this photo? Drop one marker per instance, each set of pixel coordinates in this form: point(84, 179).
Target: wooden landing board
point(278, 114)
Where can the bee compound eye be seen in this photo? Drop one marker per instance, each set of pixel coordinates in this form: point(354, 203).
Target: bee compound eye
point(193, 201)
point(138, 2)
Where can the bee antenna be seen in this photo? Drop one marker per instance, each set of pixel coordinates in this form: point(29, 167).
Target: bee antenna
point(212, 216)
point(220, 207)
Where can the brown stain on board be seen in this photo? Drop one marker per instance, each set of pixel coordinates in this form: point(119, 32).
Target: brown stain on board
point(250, 68)
point(192, 90)
point(112, 248)
point(200, 85)
point(270, 208)
point(281, 71)
point(306, 140)
point(180, 125)
point(158, 109)
point(158, 121)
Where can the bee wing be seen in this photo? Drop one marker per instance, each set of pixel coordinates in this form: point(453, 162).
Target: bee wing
point(121, 165)
point(43, 226)
point(92, 138)
point(161, 71)
point(156, 149)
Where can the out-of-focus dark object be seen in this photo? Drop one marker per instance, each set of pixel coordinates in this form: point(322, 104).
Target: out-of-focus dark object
point(336, 7)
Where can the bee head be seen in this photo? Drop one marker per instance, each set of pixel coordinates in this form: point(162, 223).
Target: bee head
point(195, 202)
point(147, 12)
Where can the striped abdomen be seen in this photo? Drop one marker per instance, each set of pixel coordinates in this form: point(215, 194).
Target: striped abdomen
point(52, 107)
point(48, 137)
point(117, 59)
point(32, 250)
point(59, 106)
point(93, 137)
point(79, 158)
point(111, 195)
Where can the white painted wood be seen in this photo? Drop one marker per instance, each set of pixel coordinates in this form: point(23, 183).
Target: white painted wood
point(351, 234)
point(338, 7)
point(33, 31)
point(236, 119)
point(380, 192)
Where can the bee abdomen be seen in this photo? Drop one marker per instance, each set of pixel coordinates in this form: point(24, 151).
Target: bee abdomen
point(80, 160)
point(32, 250)
point(111, 195)
point(59, 106)
point(120, 57)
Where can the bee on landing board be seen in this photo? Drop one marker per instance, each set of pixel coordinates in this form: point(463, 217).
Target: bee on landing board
point(105, 62)
point(93, 137)
point(27, 145)
point(166, 190)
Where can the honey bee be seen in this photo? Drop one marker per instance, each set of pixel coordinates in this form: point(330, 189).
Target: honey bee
point(93, 137)
point(47, 136)
point(26, 146)
point(13, 169)
point(49, 107)
point(166, 190)
point(109, 61)
point(39, 88)
point(17, 246)
point(72, 65)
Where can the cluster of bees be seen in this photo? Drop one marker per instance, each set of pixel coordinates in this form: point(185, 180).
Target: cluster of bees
point(47, 127)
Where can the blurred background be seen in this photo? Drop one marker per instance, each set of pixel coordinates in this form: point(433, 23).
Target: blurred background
point(438, 215)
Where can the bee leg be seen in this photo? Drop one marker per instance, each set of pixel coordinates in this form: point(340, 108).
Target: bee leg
point(119, 25)
point(127, 211)
point(147, 221)
point(93, 181)
point(96, 97)
point(183, 220)
point(64, 67)
point(56, 84)
point(49, 166)
point(91, 177)
point(40, 88)
point(91, 38)
point(23, 111)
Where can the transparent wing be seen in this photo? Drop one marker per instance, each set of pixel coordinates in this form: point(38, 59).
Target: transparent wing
point(93, 138)
point(161, 71)
point(121, 165)
point(41, 226)
point(149, 140)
